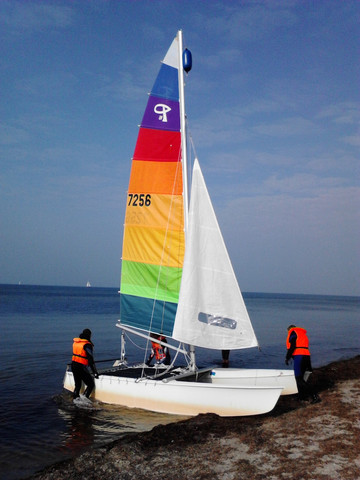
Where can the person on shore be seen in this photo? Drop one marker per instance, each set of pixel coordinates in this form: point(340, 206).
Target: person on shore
point(225, 358)
point(82, 359)
point(297, 344)
point(160, 352)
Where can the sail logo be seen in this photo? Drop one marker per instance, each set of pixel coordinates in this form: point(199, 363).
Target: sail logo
point(162, 110)
point(217, 320)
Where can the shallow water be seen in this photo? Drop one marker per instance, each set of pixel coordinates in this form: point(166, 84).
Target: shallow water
point(39, 425)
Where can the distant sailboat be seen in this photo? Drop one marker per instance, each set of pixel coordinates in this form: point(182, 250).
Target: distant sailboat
point(177, 279)
point(88, 284)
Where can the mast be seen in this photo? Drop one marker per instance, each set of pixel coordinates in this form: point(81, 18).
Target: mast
point(183, 132)
point(184, 161)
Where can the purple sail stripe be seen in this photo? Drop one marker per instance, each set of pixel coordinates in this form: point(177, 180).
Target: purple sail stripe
point(161, 114)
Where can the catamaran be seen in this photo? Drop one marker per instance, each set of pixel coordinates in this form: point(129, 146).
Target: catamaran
point(177, 279)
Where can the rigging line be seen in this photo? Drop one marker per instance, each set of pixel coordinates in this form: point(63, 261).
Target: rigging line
point(169, 367)
point(167, 227)
point(178, 170)
point(179, 163)
point(181, 159)
point(134, 343)
point(162, 262)
point(191, 139)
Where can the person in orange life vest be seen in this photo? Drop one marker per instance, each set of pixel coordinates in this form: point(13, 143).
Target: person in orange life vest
point(82, 359)
point(297, 344)
point(161, 353)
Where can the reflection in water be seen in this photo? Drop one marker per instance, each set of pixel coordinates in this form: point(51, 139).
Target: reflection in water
point(80, 432)
point(102, 424)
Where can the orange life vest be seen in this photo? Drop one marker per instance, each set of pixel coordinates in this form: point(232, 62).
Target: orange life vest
point(79, 354)
point(158, 350)
point(302, 341)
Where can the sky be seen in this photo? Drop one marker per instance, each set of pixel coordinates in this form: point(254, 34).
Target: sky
point(273, 108)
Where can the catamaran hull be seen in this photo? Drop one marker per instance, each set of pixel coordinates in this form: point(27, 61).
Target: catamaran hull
point(183, 397)
point(256, 377)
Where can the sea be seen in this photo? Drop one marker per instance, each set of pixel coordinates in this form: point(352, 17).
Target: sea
point(39, 425)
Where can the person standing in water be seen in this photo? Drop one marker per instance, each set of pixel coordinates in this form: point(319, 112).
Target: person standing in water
point(83, 358)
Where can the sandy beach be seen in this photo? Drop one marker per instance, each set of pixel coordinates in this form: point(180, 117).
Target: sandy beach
point(296, 441)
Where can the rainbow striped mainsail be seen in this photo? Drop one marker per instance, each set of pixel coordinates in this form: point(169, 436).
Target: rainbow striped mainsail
point(154, 241)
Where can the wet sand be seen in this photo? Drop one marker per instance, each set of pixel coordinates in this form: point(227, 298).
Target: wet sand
point(296, 441)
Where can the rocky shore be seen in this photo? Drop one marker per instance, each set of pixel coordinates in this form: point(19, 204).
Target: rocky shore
point(296, 441)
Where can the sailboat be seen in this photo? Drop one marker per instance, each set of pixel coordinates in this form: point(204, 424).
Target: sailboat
point(177, 279)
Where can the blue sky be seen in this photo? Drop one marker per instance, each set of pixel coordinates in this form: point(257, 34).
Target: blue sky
point(273, 107)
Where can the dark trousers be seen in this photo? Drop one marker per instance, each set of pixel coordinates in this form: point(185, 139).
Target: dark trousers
point(302, 363)
point(82, 374)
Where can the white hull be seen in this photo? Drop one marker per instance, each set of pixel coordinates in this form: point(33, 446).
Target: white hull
point(256, 377)
point(183, 397)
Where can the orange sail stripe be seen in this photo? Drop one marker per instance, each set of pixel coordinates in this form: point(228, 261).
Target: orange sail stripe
point(158, 145)
point(159, 248)
point(156, 177)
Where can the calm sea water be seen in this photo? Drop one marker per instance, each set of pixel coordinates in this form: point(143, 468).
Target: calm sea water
point(38, 423)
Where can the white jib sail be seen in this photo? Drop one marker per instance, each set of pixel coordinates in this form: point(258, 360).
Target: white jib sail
point(211, 312)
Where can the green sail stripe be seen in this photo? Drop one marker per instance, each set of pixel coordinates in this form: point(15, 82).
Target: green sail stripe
point(150, 281)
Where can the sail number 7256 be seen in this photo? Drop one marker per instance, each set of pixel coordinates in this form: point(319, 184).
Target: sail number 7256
point(139, 200)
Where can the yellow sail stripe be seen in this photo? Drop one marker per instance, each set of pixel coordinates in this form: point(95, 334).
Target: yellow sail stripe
point(163, 211)
point(161, 247)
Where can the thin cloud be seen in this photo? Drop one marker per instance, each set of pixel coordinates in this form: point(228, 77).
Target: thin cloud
point(288, 126)
point(306, 242)
point(255, 20)
point(342, 113)
point(47, 84)
point(335, 160)
point(32, 17)
point(353, 140)
point(304, 184)
point(126, 88)
point(12, 135)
